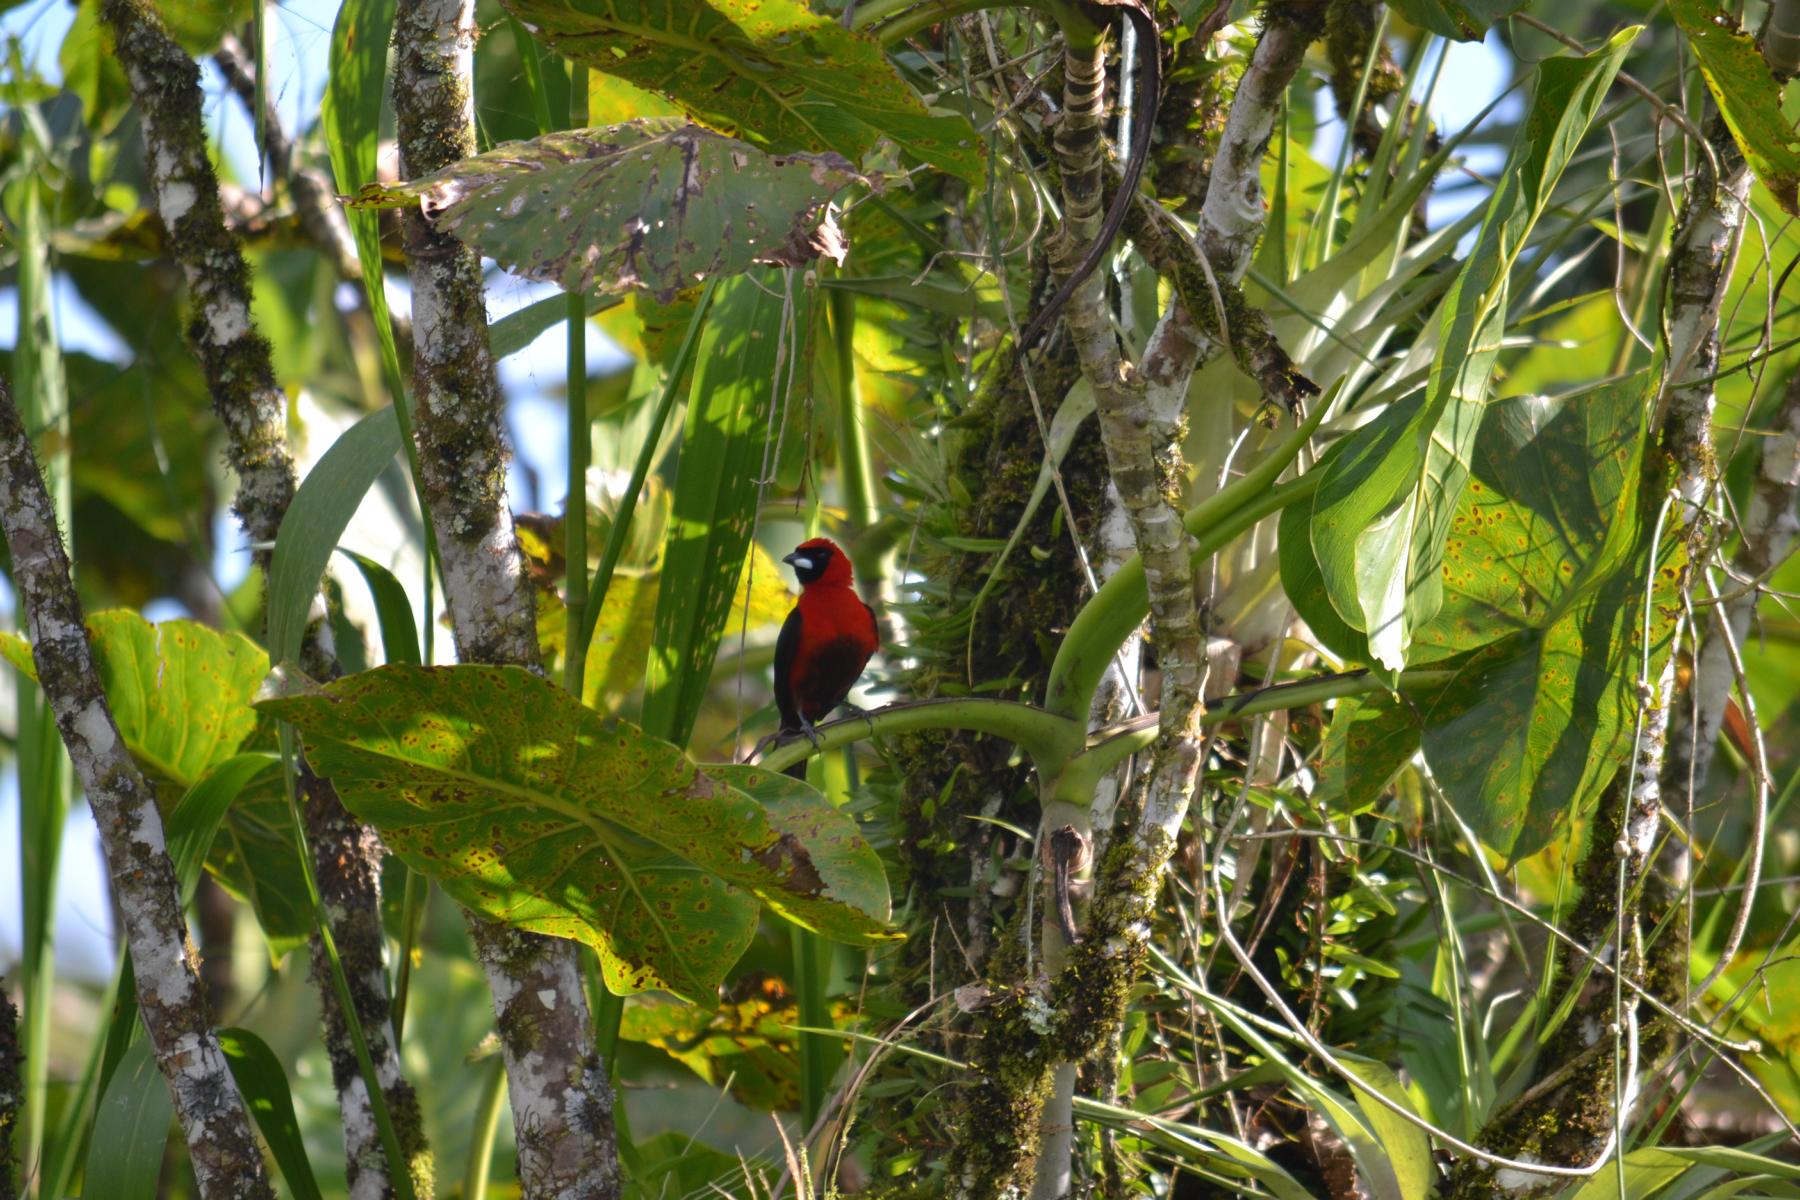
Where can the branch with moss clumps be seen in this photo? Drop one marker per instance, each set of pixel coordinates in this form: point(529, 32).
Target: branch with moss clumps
point(226, 1159)
point(235, 358)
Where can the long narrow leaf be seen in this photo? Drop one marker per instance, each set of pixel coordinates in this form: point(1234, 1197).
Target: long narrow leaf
point(265, 1087)
point(715, 497)
point(130, 1128)
point(322, 507)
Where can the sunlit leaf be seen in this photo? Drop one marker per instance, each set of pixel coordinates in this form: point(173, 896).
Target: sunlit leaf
point(1463, 20)
point(1383, 509)
point(537, 811)
point(1747, 95)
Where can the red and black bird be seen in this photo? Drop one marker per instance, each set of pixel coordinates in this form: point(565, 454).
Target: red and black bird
point(825, 642)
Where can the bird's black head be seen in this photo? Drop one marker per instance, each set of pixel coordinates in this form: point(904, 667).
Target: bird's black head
point(818, 559)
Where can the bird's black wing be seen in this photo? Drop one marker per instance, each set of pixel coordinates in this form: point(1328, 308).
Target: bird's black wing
point(786, 647)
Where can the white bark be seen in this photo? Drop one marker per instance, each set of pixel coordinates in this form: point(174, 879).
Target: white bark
point(226, 1159)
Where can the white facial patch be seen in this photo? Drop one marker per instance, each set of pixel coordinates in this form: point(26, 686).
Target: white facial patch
point(803, 564)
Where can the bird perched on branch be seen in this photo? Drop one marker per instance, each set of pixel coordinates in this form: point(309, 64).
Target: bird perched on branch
point(825, 642)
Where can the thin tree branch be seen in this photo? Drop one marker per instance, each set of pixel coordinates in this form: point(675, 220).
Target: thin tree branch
point(240, 375)
point(561, 1099)
point(226, 1159)
point(347, 855)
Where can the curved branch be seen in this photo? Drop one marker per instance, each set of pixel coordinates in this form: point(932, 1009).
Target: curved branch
point(1048, 739)
point(1108, 618)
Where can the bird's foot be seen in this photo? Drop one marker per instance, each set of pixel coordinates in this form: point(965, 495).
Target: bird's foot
point(812, 734)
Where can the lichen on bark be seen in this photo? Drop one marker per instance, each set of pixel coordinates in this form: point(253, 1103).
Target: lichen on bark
point(561, 1098)
point(235, 358)
point(222, 1146)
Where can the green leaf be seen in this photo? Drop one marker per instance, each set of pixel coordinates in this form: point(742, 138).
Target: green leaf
point(130, 1127)
point(714, 499)
point(1405, 1144)
point(1460, 20)
point(769, 72)
point(656, 204)
point(841, 864)
point(539, 812)
point(321, 509)
point(1747, 94)
point(1383, 509)
point(1366, 744)
point(674, 1163)
point(253, 858)
point(265, 1088)
point(393, 611)
point(1543, 578)
point(179, 692)
point(198, 815)
point(517, 330)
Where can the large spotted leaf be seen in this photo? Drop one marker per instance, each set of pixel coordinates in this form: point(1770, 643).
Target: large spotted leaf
point(1383, 509)
point(536, 811)
point(1544, 575)
point(656, 205)
point(770, 72)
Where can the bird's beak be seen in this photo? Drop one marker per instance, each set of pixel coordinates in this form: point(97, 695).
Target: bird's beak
point(789, 558)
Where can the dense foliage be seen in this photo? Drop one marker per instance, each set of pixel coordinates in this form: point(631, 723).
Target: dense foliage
point(1332, 732)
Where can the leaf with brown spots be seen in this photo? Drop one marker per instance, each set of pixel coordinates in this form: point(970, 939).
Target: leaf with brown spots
point(771, 72)
point(654, 205)
point(1543, 581)
point(538, 812)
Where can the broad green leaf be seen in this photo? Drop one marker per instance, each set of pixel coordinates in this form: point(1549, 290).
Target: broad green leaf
point(321, 509)
point(1366, 744)
point(714, 506)
point(131, 1126)
point(769, 72)
point(843, 865)
point(1461, 20)
point(674, 1163)
point(517, 330)
point(253, 858)
point(264, 1084)
point(1747, 95)
point(748, 1043)
point(1543, 579)
point(179, 692)
point(657, 205)
point(537, 811)
point(1383, 509)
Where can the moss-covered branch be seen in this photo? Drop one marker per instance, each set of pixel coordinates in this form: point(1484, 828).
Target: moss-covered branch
point(240, 375)
point(226, 1159)
point(561, 1099)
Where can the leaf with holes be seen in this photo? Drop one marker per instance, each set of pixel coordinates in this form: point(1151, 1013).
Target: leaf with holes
point(771, 72)
point(655, 205)
point(538, 812)
point(1748, 97)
